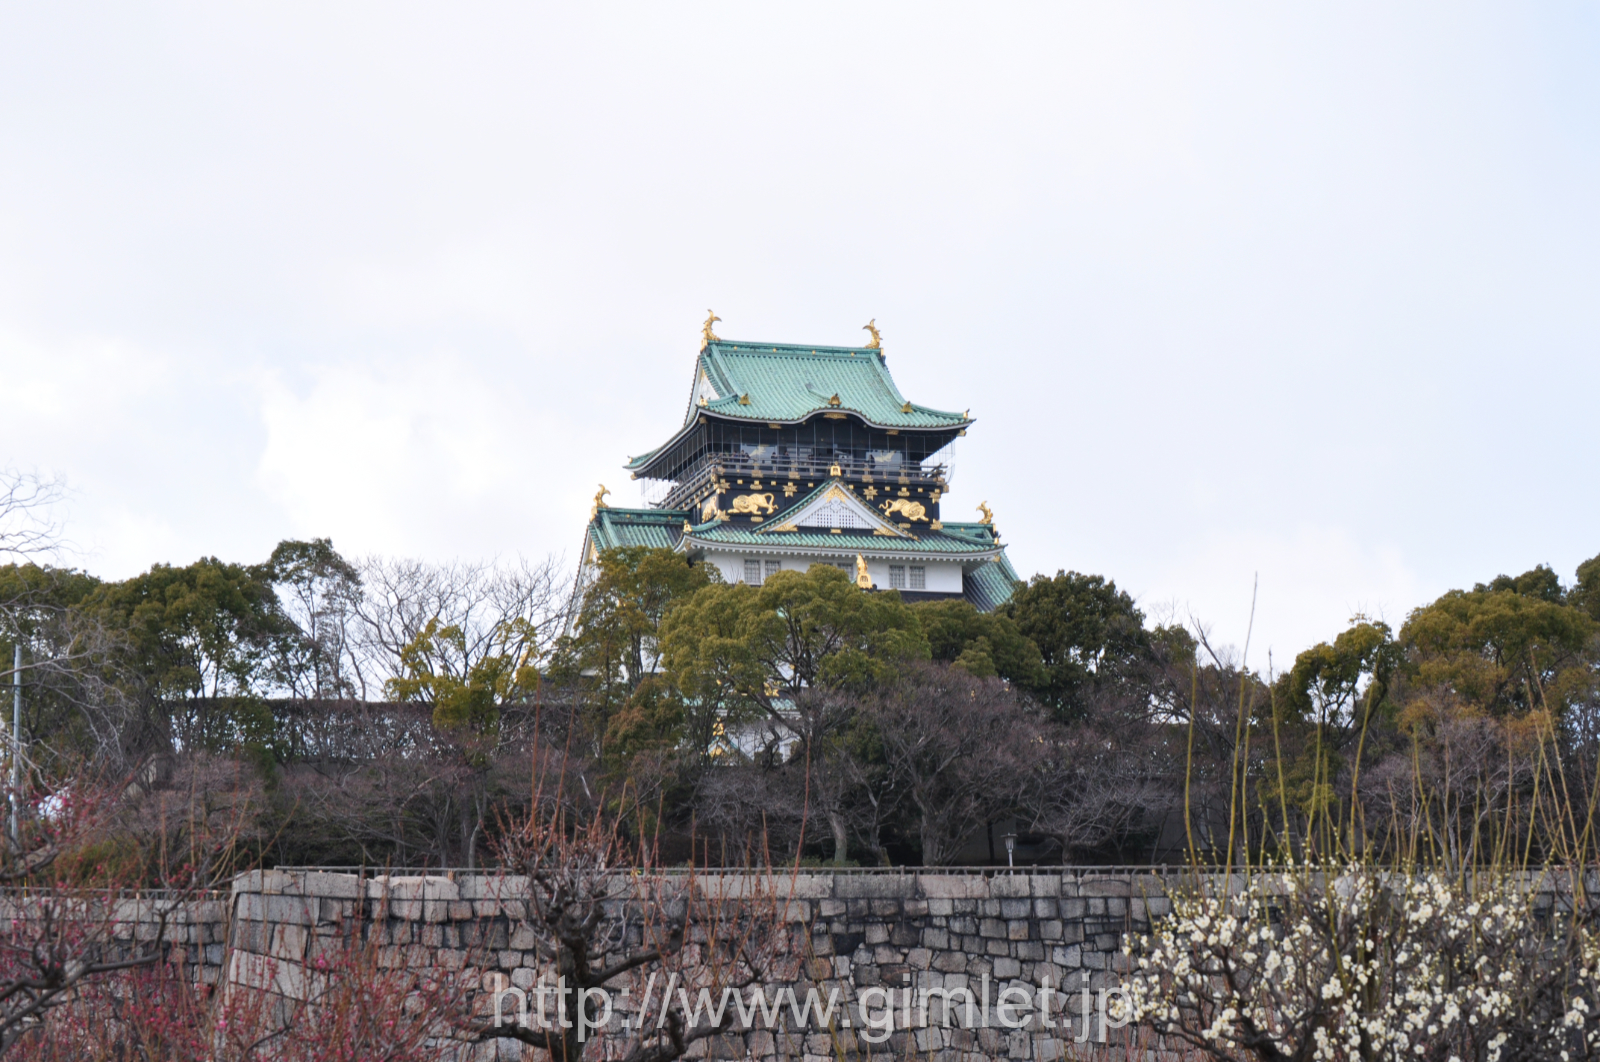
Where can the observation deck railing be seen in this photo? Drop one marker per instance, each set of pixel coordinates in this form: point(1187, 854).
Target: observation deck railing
point(781, 468)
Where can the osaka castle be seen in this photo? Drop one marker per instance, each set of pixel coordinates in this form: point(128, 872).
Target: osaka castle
point(793, 455)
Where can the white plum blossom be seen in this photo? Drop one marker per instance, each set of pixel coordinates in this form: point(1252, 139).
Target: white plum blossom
point(1354, 962)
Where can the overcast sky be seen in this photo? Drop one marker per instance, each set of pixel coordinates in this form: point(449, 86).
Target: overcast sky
point(1308, 291)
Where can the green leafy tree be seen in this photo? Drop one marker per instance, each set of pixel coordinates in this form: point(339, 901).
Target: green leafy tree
point(1502, 650)
point(1088, 634)
point(76, 703)
point(747, 651)
point(1585, 593)
point(984, 644)
point(613, 649)
point(202, 638)
point(1334, 690)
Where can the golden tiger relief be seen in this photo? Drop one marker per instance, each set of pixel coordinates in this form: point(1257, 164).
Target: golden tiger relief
point(753, 503)
point(911, 510)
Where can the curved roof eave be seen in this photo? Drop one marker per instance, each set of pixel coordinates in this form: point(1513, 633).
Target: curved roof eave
point(638, 464)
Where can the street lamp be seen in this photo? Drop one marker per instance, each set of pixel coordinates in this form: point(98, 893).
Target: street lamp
point(1011, 848)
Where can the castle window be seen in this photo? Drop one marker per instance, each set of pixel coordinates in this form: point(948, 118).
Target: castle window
point(897, 576)
point(919, 577)
point(773, 568)
point(752, 572)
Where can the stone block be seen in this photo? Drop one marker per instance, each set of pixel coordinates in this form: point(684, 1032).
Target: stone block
point(264, 882)
point(492, 887)
point(1007, 967)
point(1011, 886)
point(413, 887)
point(1069, 957)
point(289, 942)
point(1016, 908)
point(875, 886)
point(332, 886)
point(1105, 887)
point(1017, 929)
point(952, 886)
point(301, 910)
point(992, 927)
point(250, 906)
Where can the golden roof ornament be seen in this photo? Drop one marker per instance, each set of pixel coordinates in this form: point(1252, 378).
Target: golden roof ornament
point(707, 336)
point(835, 471)
point(863, 580)
point(599, 502)
point(988, 514)
point(877, 340)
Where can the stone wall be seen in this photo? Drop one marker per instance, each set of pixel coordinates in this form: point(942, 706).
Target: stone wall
point(854, 932)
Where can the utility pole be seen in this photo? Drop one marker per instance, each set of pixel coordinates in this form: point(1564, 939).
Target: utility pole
point(16, 734)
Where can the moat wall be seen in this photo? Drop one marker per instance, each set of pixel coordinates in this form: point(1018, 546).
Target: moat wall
point(851, 932)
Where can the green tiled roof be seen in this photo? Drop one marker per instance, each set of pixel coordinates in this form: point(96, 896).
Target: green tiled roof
point(988, 586)
point(930, 542)
point(784, 382)
point(657, 528)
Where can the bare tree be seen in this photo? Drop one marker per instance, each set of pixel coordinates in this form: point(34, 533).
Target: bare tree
point(64, 928)
point(600, 913)
point(399, 598)
point(27, 526)
point(958, 748)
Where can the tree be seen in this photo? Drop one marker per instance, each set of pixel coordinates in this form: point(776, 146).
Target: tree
point(319, 592)
point(1585, 593)
point(982, 643)
point(1088, 633)
point(1334, 692)
point(26, 526)
point(77, 704)
point(1503, 650)
point(598, 912)
point(746, 651)
point(959, 747)
point(613, 652)
point(467, 689)
point(400, 597)
point(202, 639)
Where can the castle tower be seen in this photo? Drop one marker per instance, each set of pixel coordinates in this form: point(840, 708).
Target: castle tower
point(791, 456)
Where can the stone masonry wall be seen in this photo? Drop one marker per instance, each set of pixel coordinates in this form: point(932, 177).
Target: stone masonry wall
point(856, 931)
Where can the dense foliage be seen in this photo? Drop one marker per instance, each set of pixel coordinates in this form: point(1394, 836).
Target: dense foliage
point(387, 711)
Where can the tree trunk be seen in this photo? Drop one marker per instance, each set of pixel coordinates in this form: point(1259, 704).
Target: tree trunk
point(841, 837)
